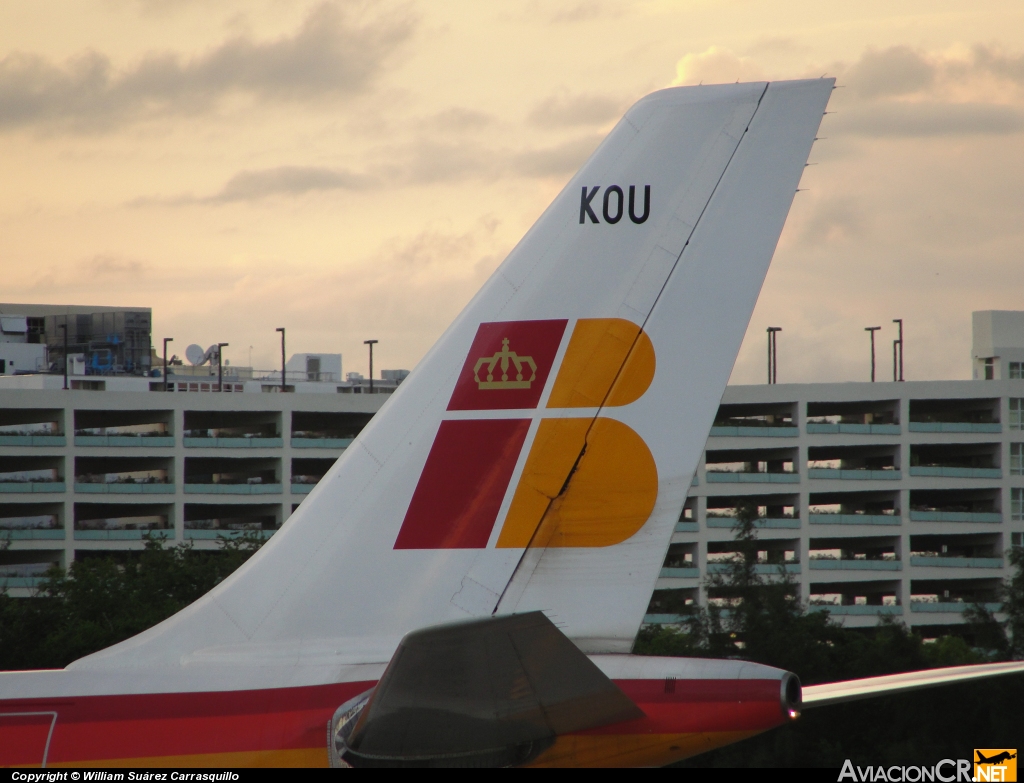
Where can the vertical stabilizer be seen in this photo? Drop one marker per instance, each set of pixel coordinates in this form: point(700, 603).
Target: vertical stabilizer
point(538, 457)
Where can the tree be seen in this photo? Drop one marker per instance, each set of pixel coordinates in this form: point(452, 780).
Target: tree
point(102, 600)
point(1013, 603)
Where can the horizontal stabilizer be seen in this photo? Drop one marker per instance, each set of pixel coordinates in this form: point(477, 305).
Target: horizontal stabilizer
point(851, 690)
point(489, 692)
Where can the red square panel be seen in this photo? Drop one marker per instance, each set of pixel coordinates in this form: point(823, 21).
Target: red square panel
point(462, 485)
point(507, 366)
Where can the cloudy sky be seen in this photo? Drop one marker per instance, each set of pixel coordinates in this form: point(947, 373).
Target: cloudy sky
point(356, 169)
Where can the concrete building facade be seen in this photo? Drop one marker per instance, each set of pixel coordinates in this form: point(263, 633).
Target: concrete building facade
point(89, 470)
point(875, 498)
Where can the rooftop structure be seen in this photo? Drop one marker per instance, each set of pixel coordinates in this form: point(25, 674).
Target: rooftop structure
point(315, 366)
point(97, 340)
point(997, 349)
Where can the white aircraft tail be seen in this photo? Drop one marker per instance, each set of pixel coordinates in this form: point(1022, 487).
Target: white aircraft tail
point(539, 456)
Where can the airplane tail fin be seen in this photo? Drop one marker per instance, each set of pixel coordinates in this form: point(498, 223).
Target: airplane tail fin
point(539, 455)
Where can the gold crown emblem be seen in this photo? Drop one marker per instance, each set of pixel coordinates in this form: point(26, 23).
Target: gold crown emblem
point(502, 359)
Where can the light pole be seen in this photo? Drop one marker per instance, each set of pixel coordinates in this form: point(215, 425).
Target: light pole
point(220, 366)
point(900, 341)
point(281, 330)
point(872, 330)
point(166, 340)
point(64, 326)
point(370, 343)
point(773, 354)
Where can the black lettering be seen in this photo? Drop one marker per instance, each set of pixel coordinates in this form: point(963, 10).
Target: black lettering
point(585, 209)
point(618, 215)
point(632, 204)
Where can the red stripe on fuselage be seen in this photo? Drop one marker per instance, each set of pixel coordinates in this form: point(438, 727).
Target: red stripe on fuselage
point(179, 724)
point(698, 706)
point(188, 724)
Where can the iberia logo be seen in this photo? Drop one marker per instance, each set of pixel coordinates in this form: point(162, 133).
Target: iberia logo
point(995, 764)
point(609, 362)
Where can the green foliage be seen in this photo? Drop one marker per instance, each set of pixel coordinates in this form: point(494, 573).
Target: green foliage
point(1013, 604)
point(765, 623)
point(950, 651)
point(105, 599)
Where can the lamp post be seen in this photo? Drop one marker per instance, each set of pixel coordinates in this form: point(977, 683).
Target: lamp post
point(872, 330)
point(166, 340)
point(64, 326)
point(370, 343)
point(281, 330)
point(773, 354)
point(220, 366)
point(900, 341)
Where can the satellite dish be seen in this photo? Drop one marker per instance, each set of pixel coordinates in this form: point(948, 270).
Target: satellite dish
point(195, 354)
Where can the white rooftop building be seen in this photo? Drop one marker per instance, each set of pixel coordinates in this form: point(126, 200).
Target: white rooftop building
point(997, 349)
point(314, 366)
point(18, 353)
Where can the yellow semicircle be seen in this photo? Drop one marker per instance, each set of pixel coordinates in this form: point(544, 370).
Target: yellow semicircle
point(609, 361)
point(606, 500)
